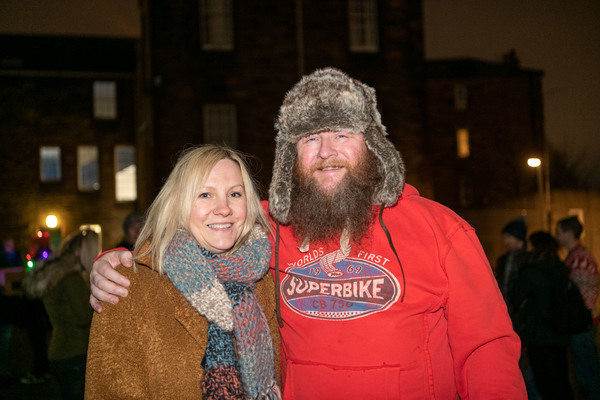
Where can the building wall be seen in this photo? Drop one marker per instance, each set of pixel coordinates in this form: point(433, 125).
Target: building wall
point(489, 222)
point(45, 103)
point(269, 56)
point(504, 118)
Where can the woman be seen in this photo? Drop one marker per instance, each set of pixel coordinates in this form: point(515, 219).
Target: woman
point(62, 284)
point(538, 286)
point(192, 326)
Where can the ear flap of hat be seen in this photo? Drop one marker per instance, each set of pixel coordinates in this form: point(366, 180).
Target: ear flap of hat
point(281, 183)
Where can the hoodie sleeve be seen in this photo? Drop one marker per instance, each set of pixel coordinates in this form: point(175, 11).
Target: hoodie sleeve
point(485, 348)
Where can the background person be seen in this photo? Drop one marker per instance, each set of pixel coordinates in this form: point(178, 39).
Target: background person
point(382, 293)
point(62, 284)
point(541, 281)
point(508, 266)
point(583, 271)
point(192, 326)
point(132, 226)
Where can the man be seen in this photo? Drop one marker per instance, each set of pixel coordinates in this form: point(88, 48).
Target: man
point(382, 294)
point(508, 265)
point(132, 226)
point(583, 270)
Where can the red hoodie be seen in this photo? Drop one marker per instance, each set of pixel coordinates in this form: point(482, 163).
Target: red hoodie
point(360, 326)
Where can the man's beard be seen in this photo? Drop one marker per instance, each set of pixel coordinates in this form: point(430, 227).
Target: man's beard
point(318, 215)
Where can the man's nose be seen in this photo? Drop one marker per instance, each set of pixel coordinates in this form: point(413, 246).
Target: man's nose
point(327, 148)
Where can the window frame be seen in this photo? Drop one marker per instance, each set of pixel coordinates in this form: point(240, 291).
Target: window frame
point(125, 174)
point(219, 123)
point(461, 97)
point(216, 25)
point(54, 163)
point(363, 26)
point(105, 100)
point(88, 168)
point(463, 143)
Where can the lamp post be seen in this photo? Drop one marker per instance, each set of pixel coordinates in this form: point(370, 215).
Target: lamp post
point(543, 190)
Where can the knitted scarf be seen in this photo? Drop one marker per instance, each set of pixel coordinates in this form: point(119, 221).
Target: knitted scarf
point(221, 288)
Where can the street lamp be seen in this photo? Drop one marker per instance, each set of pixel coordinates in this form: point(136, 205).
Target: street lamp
point(543, 190)
point(54, 230)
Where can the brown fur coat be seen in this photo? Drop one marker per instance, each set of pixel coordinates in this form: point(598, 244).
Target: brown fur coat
point(151, 344)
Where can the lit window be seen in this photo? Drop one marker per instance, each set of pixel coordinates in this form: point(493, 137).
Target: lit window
point(362, 15)
point(216, 24)
point(87, 168)
point(50, 164)
point(125, 173)
point(461, 97)
point(220, 125)
point(105, 100)
point(462, 143)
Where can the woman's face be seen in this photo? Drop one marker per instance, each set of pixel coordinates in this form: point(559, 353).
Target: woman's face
point(219, 212)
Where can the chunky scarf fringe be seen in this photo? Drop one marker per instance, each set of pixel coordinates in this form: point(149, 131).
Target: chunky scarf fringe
point(221, 288)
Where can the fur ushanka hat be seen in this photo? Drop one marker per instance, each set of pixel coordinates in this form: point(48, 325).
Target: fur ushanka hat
point(329, 100)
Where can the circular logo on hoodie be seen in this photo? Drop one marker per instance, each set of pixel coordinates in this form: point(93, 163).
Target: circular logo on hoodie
point(339, 290)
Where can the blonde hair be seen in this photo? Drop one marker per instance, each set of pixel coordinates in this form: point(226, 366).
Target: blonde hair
point(170, 210)
point(83, 242)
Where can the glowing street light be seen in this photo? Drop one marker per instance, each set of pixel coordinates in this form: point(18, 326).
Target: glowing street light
point(51, 221)
point(534, 162)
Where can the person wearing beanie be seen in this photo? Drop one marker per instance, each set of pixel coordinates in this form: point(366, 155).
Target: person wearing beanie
point(381, 293)
point(508, 265)
point(583, 271)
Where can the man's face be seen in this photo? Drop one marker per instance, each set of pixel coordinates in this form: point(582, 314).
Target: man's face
point(512, 242)
point(327, 156)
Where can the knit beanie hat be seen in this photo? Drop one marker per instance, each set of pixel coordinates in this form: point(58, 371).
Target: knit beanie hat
point(516, 228)
point(329, 100)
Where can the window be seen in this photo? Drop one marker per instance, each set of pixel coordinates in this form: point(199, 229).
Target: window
point(105, 100)
point(220, 124)
point(216, 25)
point(125, 173)
point(87, 168)
point(362, 20)
point(50, 164)
point(463, 149)
point(461, 97)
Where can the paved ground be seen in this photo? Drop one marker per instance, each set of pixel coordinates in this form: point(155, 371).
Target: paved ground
point(20, 360)
point(12, 389)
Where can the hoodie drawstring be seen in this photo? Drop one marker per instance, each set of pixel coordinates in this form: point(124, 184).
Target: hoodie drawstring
point(389, 237)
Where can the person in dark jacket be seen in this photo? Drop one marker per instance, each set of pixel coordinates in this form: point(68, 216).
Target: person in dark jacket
point(535, 292)
point(62, 283)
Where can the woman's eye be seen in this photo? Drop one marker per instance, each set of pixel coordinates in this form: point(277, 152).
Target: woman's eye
point(236, 194)
point(203, 196)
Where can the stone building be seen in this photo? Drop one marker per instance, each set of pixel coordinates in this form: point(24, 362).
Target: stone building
point(201, 71)
point(67, 134)
point(484, 120)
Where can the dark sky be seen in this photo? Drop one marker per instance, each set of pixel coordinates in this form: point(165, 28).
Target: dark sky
point(560, 37)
